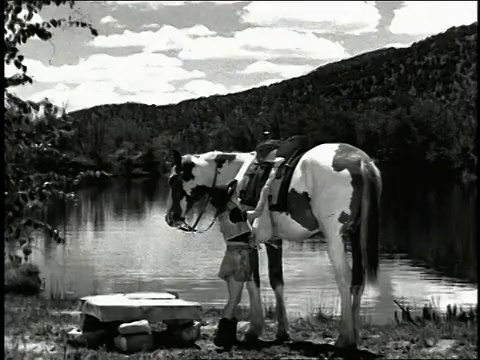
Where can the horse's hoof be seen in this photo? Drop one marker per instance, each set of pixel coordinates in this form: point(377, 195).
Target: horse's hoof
point(251, 338)
point(282, 338)
point(344, 343)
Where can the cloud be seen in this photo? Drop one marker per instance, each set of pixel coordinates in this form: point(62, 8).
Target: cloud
point(353, 17)
point(136, 68)
point(103, 79)
point(284, 70)
point(166, 38)
point(269, 82)
point(112, 21)
point(151, 26)
point(199, 30)
point(198, 43)
point(427, 18)
point(155, 5)
point(239, 88)
point(399, 45)
point(263, 43)
point(102, 92)
point(204, 88)
point(108, 19)
point(96, 93)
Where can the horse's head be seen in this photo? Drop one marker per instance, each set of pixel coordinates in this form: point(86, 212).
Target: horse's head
point(187, 183)
point(194, 176)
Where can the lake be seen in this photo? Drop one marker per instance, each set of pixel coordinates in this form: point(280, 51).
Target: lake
point(118, 241)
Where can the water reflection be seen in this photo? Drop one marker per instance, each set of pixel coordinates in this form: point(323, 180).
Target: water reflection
point(118, 241)
point(434, 223)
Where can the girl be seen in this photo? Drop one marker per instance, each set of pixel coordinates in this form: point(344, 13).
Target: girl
point(239, 266)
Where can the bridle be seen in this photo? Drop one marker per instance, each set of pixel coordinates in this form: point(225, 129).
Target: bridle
point(189, 228)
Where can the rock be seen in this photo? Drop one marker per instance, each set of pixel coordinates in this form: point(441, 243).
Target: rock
point(242, 326)
point(76, 338)
point(396, 345)
point(30, 347)
point(22, 279)
point(185, 334)
point(134, 342)
point(72, 313)
point(442, 346)
point(135, 327)
point(429, 342)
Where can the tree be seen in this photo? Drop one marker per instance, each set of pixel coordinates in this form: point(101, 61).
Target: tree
point(34, 132)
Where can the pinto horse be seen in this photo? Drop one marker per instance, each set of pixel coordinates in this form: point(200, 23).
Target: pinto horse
point(334, 194)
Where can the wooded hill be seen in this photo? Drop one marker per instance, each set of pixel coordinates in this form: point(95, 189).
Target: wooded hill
point(406, 107)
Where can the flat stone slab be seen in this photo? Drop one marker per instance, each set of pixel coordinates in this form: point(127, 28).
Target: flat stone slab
point(151, 306)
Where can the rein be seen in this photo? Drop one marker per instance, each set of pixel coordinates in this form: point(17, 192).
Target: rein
point(189, 228)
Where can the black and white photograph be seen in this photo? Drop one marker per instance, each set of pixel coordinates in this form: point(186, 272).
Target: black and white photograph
point(240, 179)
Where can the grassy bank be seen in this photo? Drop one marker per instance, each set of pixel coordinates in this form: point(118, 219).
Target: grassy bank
point(36, 327)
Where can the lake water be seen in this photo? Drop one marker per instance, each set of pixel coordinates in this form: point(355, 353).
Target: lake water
point(118, 241)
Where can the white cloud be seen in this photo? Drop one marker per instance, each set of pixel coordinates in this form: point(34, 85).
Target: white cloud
point(108, 19)
point(432, 17)
point(353, 17)
point(284, 70)
point(159, 4)
point(93, 93)
point(268, 82)
point(199, 30)
point(137, 68)
point(263, 43)
point(151, 26)
point(239, 88)
point(196, 43)
point(166, 38)
point(204, 88)
point(103, 79)
point(111, 21)
point(102, 92)
point(398, 45)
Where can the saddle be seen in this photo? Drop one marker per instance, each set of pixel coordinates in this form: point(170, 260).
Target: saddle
point(257, 174)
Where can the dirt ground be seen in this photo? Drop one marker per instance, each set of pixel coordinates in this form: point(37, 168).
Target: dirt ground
point(36, 329)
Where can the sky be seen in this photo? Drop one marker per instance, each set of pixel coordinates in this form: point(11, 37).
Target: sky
point(164, 52)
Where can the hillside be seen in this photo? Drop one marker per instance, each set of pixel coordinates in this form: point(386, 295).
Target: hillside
point(405, 106)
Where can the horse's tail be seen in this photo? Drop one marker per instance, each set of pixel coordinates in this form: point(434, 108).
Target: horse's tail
point(370, 225)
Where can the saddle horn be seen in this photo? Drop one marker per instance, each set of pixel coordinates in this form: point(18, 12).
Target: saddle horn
point(232, 186)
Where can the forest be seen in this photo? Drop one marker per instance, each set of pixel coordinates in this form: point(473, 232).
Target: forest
point(411, 108)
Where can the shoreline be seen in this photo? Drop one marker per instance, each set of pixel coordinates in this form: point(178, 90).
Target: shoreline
point(36, 326)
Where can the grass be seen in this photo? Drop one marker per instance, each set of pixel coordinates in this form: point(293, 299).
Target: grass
point(36, 328)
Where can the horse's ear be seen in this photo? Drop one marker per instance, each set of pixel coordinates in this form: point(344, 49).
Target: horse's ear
point(177, 158)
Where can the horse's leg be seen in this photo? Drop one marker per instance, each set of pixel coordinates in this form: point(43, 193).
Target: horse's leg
point(338, 258)
point(275, 274)
point(253, 287)
point(358, 280)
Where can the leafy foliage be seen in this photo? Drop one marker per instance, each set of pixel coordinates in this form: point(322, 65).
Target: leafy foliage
point(36, 135)
point(412, 106)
